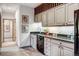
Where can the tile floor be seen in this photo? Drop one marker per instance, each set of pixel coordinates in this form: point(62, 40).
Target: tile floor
point(11, 49)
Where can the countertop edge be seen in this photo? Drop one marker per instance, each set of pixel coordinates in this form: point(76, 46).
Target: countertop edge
point(60, 39)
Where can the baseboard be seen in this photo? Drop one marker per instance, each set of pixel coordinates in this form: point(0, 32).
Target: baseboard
point(25, 46)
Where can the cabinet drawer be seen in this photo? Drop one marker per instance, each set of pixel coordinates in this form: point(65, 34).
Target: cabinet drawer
point(67, 44)
point(55, 41)
point(68, 52)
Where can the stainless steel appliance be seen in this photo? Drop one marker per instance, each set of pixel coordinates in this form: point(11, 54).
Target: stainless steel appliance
point(76, 32)
point(40, 44)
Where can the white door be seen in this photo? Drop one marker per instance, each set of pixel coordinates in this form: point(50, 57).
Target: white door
point(44, 18)
point(70, 8)
point(33, 41)
point(50, 17)
point(47, 50)
point(60, 15)
point(39, 17)
point(36, 18)
point(45, 45)
point(48, 47)
point(55, 48)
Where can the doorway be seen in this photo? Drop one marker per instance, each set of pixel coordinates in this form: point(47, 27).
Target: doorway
point(9, 32)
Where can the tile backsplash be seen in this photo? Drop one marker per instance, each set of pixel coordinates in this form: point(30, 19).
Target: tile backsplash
point(36, 27)
point(61, 30)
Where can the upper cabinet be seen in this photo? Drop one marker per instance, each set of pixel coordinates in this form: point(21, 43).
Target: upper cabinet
point(70, 8)
point(50, 17)
point(44, 19)
point(39, 17)
point(60, 15)
point(36, 18)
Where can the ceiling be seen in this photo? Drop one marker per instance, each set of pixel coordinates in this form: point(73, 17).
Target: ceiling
point(32, 5)
point(11, 8)
point(8, 8)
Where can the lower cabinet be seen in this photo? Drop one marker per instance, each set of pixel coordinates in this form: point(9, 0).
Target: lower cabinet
point(53, 47)
point(55, 50)
point(67, 51)
point(34, 41)
point(47, 48)
point(60, 48)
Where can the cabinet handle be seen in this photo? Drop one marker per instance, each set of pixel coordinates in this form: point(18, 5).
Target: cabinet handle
point(60, 43)
point(62, 49)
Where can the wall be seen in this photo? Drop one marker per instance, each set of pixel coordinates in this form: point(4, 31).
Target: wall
point(61, 30)
point(36, 27)
point(69, 30)
point(23, 39)
point(10, 16)
point(0, 29)
point(17, 16)
point(6, 15)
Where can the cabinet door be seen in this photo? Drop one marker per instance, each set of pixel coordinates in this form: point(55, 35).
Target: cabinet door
point(33, 41)
point(47, 50)
point(70, 8)
point(55, 48)
point(36, 18)
point(39, 17)
point(44, 19)
point(45, 46)
point(48, 47)
point(60, 15)
point(50, 17)
point(67, 51)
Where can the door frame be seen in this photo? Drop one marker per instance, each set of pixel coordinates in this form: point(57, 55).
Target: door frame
point(3, 27)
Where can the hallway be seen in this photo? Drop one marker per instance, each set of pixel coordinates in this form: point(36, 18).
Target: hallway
point(8, 43)
point(11, 49)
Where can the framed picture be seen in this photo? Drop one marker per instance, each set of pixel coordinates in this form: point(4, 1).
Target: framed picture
point(6, 25)
point(25, 19)
point(24, 29)
point(25, 22)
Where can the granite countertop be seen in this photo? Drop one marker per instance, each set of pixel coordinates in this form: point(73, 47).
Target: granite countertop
point(52, 37)
point(58, 38)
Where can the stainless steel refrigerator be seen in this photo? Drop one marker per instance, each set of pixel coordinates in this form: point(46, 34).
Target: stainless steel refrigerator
point(76, 32)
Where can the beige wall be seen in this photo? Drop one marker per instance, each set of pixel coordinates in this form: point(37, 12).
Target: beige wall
point(0, 30)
